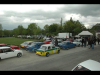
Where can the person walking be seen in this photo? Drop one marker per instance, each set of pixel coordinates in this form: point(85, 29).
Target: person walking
point(98, 40)
point(82, 41)
point(92, 43)
point(56, 42)
point(89, 43)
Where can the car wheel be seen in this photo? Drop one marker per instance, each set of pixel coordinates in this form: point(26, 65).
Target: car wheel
point(19, 54)
point(58, 51)
point(74, 46)
point(67, 48)
point(47, 54)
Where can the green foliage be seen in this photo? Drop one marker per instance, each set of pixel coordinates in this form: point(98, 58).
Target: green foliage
point(41, 40)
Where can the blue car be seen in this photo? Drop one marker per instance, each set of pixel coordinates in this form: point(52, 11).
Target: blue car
point(67, 45)
point(34, 46)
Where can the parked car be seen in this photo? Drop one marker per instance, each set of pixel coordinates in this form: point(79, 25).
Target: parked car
point(47, 49)
point(72, 40)
point(88, 65)
point(7, 52)
point(11, 46)
point(25, 44)
point(34, 46)
point(78, 43)
point(67, 45)
point(47, 42)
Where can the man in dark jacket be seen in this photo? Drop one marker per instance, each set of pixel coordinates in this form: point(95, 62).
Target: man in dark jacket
point(98, 40)
point(82, 41)
point(56, 42)
point(89, 43)
point(92, 43)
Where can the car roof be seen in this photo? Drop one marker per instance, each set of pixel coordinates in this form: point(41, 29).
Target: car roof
point(91, 65)
point(47, 45)
point(67, 41)
point(4, 47)
point(37, 42)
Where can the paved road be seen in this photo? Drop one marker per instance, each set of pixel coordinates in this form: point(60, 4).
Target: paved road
point(64, 61)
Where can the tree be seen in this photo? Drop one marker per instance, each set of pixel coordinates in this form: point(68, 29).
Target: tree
point(32, 28)
point(15, 32)
point(20, 28)
point(24, 32)
point(46, 28)
point(1, 32)
point(53, 28)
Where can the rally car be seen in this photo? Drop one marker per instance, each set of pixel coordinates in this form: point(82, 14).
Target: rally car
point(47, 49)
point(34, 46)
point(25, 44)
point(67, 45)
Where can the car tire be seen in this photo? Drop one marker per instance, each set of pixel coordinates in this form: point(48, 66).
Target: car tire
point(47, 54)
point(74, 46)
point(67, 48)
point(58, 51)
point(19, 54)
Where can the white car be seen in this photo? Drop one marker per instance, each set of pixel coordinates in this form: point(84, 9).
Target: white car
point(77, 42)
point(88, 65)
point(7, 52)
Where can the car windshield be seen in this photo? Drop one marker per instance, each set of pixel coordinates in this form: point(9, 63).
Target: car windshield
point(64, 43)
point(81, 68)
point(33, 44)
point(43, 48)
point(25, 43)
point(5, 46)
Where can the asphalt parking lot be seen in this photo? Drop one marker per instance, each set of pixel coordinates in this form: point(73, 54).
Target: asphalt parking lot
point(30, 61)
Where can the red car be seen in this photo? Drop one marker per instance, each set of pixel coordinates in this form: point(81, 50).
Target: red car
point(12, 46)
point(47, 42)
point(70, 40)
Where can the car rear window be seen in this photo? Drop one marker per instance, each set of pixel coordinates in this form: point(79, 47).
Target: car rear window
point(81, 68)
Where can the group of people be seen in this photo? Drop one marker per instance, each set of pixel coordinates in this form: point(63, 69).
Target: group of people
point(91, 42)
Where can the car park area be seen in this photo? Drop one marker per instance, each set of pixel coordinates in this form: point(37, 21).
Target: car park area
point(64, 61)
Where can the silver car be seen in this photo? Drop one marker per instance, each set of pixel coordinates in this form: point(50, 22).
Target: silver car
point(88, 65)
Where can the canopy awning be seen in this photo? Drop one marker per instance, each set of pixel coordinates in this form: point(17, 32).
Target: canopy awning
point(85, 33)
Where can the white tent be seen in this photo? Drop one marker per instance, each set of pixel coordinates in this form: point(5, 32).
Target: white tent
point(77, 36)
point(85, 33)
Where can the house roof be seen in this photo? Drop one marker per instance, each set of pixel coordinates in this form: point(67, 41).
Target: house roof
point(85, 33)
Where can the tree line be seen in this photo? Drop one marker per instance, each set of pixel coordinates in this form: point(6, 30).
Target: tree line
point(70, 26)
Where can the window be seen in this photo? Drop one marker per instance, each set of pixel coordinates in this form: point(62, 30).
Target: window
point(49, 47)
point(8, 50)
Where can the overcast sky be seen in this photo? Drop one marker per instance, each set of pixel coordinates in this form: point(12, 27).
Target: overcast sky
point(12, 15)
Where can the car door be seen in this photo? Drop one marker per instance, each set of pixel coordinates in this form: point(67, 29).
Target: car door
point(54, 49)
point(10, 53)
point(71, 45)
point(3, 54)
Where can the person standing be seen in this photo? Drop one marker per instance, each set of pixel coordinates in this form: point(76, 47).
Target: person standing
point(92, 43)
point(56, 42)
point(98, 40)
point(82, 41)
point(53, 42)
point(89, 43)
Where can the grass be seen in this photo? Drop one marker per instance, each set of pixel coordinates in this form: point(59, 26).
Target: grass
point(14, 41)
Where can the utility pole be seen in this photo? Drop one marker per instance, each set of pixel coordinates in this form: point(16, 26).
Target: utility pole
point(61, 24)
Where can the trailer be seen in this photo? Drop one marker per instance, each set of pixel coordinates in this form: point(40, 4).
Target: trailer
point(64, 35)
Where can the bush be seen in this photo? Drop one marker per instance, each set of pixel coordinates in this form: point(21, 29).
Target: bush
point(41, 40)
